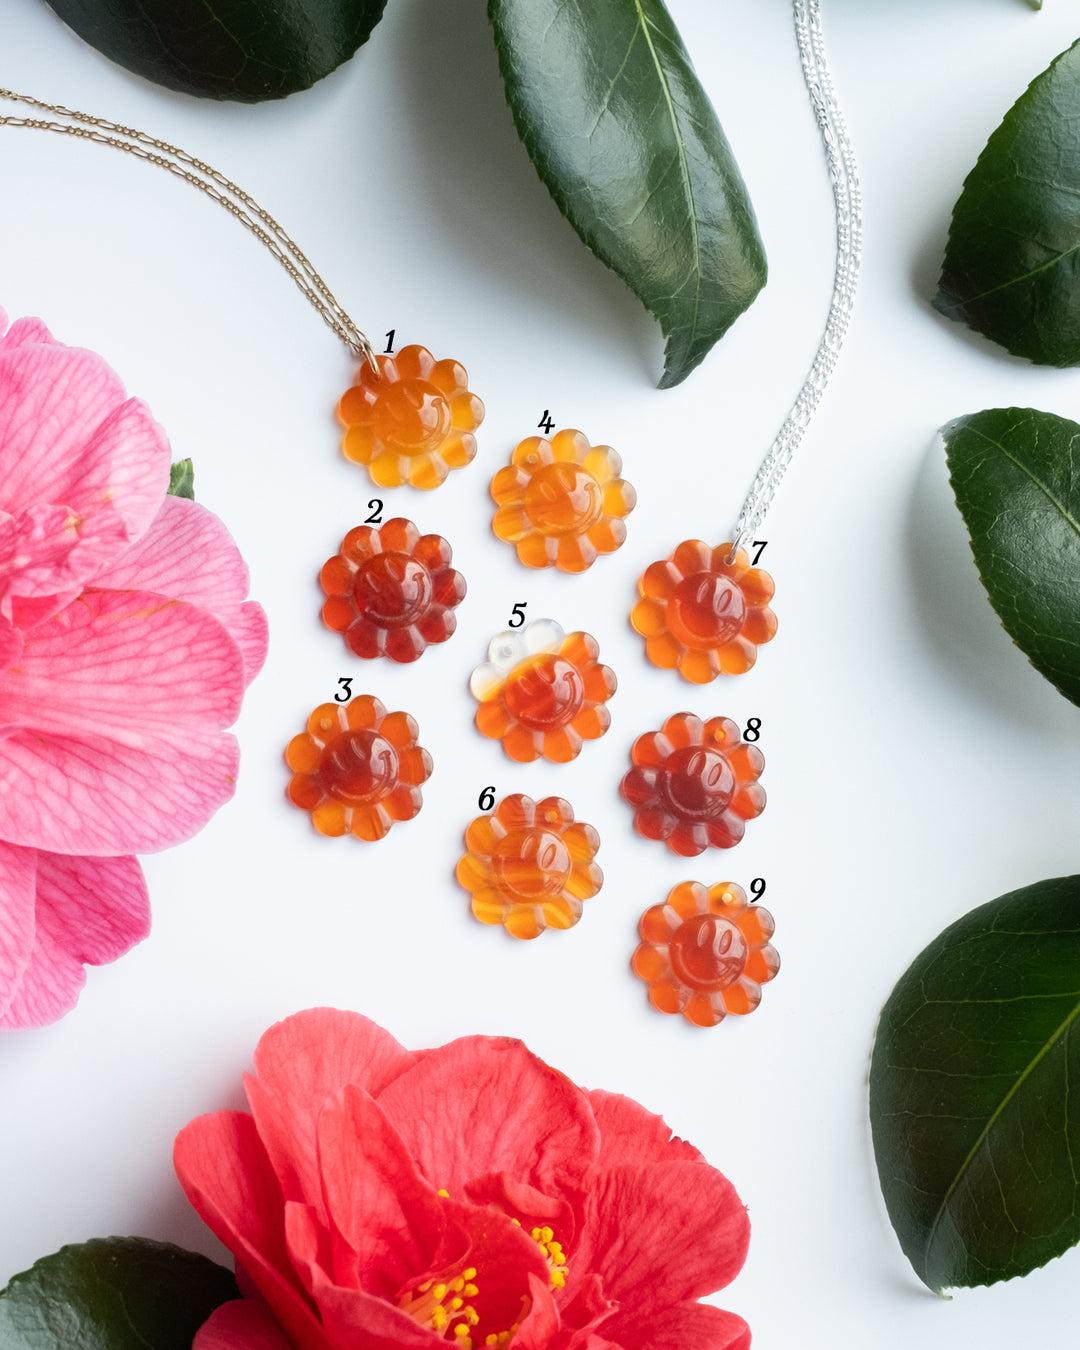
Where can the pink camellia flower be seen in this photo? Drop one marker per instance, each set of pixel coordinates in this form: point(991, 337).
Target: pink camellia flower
point(470, 1196)
point(125, 646)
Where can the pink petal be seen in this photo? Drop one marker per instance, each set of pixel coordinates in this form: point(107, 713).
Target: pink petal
point(188, 554)
point(22, 332)
point(251, 633)
point(69, 437)
point(629, 1133)
point(110, 724)
point(47, 548)
point(88, 911)
point(302, 1066)
point(542, 1133)
point(661, 1233)
point(11, 643)
point(374, 1195)
point(227, 1176)
point(688, 1326)
point(245, 1324)
point(18, 873)
point(27, 613)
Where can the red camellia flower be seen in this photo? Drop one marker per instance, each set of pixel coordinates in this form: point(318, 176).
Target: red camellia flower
point(468, 1196)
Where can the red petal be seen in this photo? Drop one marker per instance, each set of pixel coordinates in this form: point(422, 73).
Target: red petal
point(542, 1130)
point(540, 1329)
point(629, 1133)
point(357, 1321)
point(507, 1262)
point(532, 1208)
point(375, 1197)
point(352, 1319)
point(302, 1065)
point(688, 1326)
point(248, 1324)
point(662, 1233)
point(226, 1175)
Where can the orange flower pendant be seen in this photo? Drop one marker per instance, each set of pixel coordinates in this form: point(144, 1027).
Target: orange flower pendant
point(412, 422)
point(703, 615)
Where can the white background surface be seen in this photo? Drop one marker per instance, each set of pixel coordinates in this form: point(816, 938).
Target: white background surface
point(916, 765)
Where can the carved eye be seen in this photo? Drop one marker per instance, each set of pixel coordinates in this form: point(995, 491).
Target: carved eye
point(721, 939)
point(542, 853)
point(708, 769)
point(715, 596)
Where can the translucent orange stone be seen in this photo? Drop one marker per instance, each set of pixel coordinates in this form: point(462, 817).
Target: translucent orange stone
point(542, 692)
point(530, 865)
point(357, 768)
point(694, 784)
point(705, 952)
point(561, 502)
point(703, 615)
point(391, 591)
point(413, 422)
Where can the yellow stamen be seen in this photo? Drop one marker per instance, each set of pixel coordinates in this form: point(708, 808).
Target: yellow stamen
point(544, 1237)
point(429, 1305)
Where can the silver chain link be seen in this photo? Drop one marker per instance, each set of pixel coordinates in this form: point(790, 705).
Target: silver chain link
point(216, 186)
point(847, 195)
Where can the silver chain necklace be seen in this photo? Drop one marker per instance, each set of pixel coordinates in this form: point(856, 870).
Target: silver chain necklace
point(847, 196)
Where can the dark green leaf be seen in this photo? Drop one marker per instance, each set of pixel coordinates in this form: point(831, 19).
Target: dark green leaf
point(182, 479)
point(248, 50)
point(1012, 264)
point(1016, 475)
point(113, 1294)
point(605, 98)
point(973, 1099)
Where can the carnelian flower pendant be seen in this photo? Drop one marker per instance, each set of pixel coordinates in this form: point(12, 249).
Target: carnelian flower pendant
point(413, 421)
point(358, 768)
point(543, 692)
point(561, 502)
point(694, 784)
point(703, 615)
point(530, 865)
point(391, 591)
point(705, 952)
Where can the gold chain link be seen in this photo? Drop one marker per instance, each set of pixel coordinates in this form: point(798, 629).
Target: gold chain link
point(216, 186)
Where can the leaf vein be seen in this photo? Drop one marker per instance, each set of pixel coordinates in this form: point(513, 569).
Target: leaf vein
point(1059, 1032)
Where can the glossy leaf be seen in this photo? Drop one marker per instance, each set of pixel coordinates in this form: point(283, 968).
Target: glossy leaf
point(247, 50)
point(626, 141)
point(113, 1294)
point(182, 479)
point(973, 1101)
point(1016, 476)
point(1012, 263)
